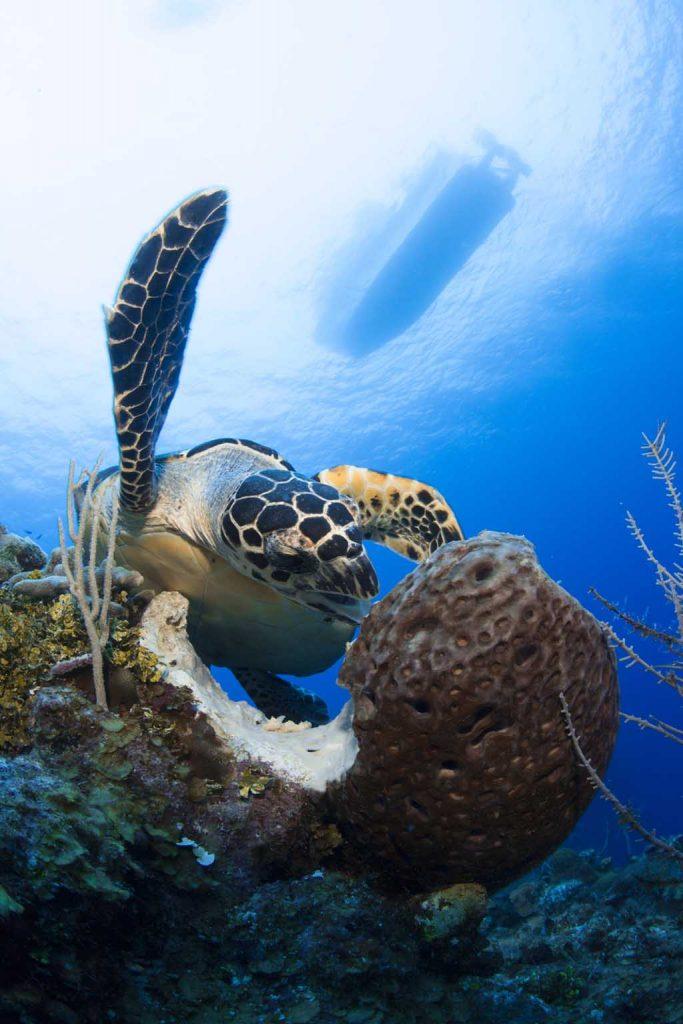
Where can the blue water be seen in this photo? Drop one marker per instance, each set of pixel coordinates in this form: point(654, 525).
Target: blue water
point(512, 360)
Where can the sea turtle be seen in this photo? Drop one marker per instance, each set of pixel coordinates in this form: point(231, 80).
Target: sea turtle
point(272, 561)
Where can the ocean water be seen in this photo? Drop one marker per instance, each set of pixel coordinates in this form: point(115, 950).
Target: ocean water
point(455, 252)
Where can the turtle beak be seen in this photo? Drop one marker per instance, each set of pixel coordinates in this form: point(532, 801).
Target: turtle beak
point(350, 581)
point(363, 578)
point(345, 590)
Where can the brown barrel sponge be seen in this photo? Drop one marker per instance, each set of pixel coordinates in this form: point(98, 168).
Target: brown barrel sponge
point(464, 770)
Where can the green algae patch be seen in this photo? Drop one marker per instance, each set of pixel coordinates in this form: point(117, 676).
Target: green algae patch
point(8, 905)
point(68, 841)
point(557, 986)
point(325, 839)
point(34, 635)
point(252, 783)
point(448, 913)
point(125, 651)
point(89, 810)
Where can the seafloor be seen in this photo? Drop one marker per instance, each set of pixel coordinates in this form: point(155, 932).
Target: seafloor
point(108, 913)
point(86, 938)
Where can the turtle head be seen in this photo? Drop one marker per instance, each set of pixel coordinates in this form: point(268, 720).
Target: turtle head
point(302, 538)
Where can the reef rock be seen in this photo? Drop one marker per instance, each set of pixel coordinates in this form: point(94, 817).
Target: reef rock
point(451, 762)
point(18, 555)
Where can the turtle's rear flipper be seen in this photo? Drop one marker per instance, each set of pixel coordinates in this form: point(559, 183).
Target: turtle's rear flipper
point(147, 330)
point(275, 697)
point(405, 515)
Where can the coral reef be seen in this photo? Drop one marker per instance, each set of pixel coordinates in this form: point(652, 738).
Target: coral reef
point(449, 765)
point(181, 857)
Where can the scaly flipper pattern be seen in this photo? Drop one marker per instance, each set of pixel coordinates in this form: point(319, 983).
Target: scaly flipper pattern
point(275, 697)
point(147, 331)
point(405, 515)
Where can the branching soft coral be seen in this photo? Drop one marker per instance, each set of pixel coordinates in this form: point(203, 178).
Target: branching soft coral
point(663, 466)
point(80, 570)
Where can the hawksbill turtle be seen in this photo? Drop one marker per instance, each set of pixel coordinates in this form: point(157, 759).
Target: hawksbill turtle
point(271, 561)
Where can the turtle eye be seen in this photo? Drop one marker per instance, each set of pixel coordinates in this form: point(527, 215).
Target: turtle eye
point(286, 550)
point(280, 560)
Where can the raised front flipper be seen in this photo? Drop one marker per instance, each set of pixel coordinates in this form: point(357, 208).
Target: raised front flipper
point(147, 330)
point(275, 697)
point(405, 515)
